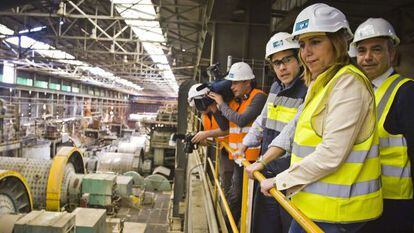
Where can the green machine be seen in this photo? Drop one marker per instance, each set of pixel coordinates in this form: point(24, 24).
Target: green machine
point(97, 189)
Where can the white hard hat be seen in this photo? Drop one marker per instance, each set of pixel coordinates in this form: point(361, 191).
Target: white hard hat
point(240, 71)
point(194, 93)
point(320, 17)
point(278, 42)
point(375, 27)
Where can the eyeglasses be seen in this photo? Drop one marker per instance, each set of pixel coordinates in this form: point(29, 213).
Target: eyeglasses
point(286, 60)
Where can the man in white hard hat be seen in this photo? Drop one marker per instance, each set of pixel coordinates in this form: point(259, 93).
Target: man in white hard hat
point(215, 126)
point(375, 41)
point(198, 98)
point(241, 112)
point(286, 95)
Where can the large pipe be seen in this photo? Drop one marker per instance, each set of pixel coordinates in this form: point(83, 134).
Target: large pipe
point(118, 162)
point(129, 147)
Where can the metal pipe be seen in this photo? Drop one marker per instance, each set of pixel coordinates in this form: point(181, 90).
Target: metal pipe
point(229, 60)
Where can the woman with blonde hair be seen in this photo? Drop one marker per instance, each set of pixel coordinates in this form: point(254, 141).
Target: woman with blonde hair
point(334, 173)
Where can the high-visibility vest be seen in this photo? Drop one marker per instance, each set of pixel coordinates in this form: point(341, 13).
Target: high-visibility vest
point(237, 133)
point(281, 107)
point(280, 110)
point(395, 163)
point(352, 193)
point(210, 123)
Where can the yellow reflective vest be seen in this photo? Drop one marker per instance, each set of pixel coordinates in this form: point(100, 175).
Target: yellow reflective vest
point(395, 164)
point(353, 192)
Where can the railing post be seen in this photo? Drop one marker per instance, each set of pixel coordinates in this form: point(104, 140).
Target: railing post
point(244, 202)
point(216, 167)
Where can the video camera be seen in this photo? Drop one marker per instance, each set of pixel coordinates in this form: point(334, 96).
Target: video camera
point(189, 146)
point(221, 87)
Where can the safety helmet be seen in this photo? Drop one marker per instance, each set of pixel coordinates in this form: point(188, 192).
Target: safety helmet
point(375, 27)
point(320, 17)
point(240, 71)
point(195, 93)
point(278, 42)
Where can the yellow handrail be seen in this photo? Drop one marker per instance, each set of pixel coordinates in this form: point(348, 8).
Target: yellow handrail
point(223, 198)
point(307, 224)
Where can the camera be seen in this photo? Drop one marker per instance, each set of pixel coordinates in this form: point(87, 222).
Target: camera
point(214, 71)
point(222, 87)
point(189, 146)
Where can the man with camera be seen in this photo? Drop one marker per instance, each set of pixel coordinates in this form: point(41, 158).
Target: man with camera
point(214, 124)
point(241, 112)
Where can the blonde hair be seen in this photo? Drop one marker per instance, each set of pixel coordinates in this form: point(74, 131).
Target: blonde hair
point(340, 46)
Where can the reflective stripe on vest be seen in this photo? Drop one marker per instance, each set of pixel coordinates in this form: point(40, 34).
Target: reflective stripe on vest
point(395, 164)
point(390, 142)
point(237, 130)
point(353, 157)
point(236, 133)
point(344, 191)
point(396, 171)
point(352, 192)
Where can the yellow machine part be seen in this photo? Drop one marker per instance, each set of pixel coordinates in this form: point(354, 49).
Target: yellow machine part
point(57, 171)
point(8, 173)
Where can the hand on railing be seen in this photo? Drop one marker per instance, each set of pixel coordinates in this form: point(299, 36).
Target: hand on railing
point(304, 221)
point(266, 185)
point(252, 168)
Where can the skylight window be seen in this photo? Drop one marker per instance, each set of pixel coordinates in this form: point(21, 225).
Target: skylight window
point(46, 50)
point(147, 30)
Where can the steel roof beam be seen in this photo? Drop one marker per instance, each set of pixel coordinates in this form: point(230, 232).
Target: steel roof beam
point(86, 16)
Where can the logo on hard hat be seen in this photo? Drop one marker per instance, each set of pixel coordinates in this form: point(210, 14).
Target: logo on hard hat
point(231, 75)
point(277, 43)
point(302, 25)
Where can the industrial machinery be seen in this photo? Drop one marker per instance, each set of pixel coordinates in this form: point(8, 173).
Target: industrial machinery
point(165, 124)
point(81, 220)
point(90, 220)
point(119, 162)
point(15, 194)
point(43, 221)
point(98, 190)
point(49, 180)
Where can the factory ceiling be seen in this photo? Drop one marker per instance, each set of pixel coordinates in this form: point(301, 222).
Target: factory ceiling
point(155, 44)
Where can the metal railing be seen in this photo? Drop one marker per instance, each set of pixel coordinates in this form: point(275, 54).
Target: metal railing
point(307, 224)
